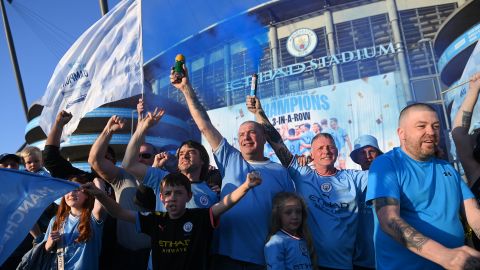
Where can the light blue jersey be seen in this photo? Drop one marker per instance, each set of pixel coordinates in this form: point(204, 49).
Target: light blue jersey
point(364, 254)
point(285, 252)
point(202, 195)
point(306, 138)
point(339, 137)
point(293, 146)
point(244, 228)
point(430, 194)
point(333, 211)
point(84, 255)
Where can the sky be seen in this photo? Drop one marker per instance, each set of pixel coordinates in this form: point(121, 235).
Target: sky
point(44, 30)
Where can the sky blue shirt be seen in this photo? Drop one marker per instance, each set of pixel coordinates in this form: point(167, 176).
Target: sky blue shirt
point(430, 194)
point(339, 137)
point(332, 203)
point(84, 255)
point(244, 228)
point(364, 254)
point(293, 146)
point(283, 252)
point(202, 195)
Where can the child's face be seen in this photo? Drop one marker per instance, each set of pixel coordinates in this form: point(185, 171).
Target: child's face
point(33, 163)
point(175, 199)
point(291, 216)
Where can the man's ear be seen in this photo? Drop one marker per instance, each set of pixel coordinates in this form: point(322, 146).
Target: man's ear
point(161, 198)
point(401, 134)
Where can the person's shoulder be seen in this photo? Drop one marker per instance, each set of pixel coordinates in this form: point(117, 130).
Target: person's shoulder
point(276, 239)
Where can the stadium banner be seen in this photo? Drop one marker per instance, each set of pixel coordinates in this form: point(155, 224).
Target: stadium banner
point(365, 106)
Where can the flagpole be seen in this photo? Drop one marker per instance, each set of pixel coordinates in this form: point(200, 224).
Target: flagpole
point(456, 86)
point(13, 58)
point(103, 6)
point(141, 42)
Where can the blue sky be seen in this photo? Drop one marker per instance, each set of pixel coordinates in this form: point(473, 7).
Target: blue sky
point(37, 55)
point(44, 30)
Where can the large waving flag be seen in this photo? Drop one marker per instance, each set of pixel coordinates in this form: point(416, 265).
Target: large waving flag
point(472, 67)
point(103, 65)
point(23, 198)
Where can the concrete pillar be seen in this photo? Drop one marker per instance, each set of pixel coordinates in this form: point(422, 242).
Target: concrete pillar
point(399, 48)
point(273, 38)
point(331, 42)
point(227, 68)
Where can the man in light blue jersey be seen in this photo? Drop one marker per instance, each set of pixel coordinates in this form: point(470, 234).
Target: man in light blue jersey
point(241, 236)
point(418, 198)
point(332, 195)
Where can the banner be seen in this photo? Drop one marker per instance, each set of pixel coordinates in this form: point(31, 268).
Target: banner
point(458, 95)
point(23, 198)
point(363, 106)
point(103, 65)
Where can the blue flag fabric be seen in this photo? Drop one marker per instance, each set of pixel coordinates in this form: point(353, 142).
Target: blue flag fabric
point(23, 198)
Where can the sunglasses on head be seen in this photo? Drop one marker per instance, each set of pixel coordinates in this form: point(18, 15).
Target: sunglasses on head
point(145, 155)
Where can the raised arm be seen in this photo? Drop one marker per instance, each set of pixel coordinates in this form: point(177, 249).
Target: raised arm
point(104, 167)
point(112, 207)
point(253, 180)
point(55, 134)
point(130, 160)
point(272, 135)
point(57, 165)
point(98, 211)
point(197, 111)
point(464, 142)
point(388, 212)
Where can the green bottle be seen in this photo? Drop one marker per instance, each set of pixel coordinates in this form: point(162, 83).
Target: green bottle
point(178, 70)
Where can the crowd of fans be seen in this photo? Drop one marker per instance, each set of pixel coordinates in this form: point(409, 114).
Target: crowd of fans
point(406, 208)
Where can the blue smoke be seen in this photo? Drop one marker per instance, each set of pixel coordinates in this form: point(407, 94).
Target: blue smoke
point(167, 23)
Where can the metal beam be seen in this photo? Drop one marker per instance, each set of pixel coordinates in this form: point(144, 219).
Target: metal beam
point(103, 6)
point(13, 58)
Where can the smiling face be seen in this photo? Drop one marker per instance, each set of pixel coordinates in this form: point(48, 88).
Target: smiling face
point(324, 152)
point(291, 216)
point(419, 133)
point(75, 198)
point(251, 140)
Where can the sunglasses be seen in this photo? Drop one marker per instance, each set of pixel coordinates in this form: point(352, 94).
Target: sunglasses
point(145, 155)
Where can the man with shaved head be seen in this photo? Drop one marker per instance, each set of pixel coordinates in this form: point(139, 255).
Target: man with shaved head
point(418, 198)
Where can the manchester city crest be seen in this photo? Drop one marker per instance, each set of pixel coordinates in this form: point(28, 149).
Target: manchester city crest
point(302, 42)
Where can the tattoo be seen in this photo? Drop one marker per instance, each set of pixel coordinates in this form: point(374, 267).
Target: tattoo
point(381, 202)
point(407, 235)
point(466, 119)
point(275, 140)
point(471, 263)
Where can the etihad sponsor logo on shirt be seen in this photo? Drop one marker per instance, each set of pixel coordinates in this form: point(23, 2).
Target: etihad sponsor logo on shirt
point(178, 246)
point(333, 207)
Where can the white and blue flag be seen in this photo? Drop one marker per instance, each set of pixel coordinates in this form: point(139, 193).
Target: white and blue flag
point(458, 95)
point(23, 198)
point(103, 65)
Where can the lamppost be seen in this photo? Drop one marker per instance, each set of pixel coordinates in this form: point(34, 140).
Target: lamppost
point(428, 41)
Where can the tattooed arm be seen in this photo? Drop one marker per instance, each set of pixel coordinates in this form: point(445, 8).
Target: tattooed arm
point(272, 135)
point(464, 142)
point(199, 114)
point(388, 212)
